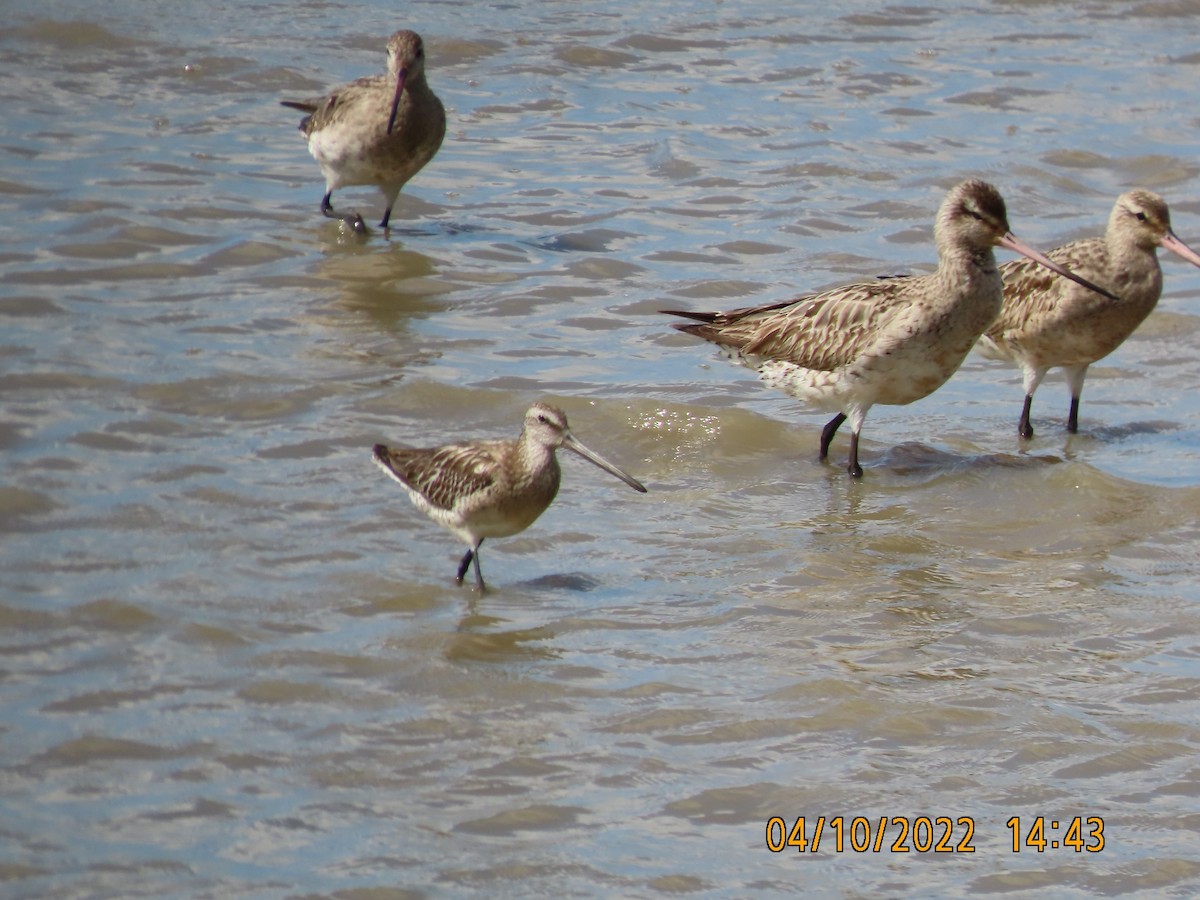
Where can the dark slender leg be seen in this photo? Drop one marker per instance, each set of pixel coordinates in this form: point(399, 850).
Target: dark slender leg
point(1024, 429)
point(472, 554)
point(854, 468)
point(387, 214)
point(1073, 416)
point(463, 566)
point(478, 574)
point(829, 431)
point(354, 220)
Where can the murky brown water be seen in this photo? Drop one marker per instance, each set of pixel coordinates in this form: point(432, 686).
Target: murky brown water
point(233, 661)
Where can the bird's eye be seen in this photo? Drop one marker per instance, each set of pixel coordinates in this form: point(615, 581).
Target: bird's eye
point(542, 419)
point(1141, 216)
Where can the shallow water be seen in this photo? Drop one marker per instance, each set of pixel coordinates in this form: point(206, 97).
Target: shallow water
point(233, 659)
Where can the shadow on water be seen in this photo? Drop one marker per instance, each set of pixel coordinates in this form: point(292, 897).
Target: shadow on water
point(386, 284)
point(469, 643)
point(567, 581)
point(1118, 432)
point(591, 240)
point(913, 458)
point(435, 229)
point(482, 636)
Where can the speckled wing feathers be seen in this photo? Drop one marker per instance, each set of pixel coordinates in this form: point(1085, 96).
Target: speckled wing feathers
point(1031, 292)
point(326, 111)
point(823, 332)
point(444, 476)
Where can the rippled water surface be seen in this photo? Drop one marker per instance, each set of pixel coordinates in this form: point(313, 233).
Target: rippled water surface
point(233, 661)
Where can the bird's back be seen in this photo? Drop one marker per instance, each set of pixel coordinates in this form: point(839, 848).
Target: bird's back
point(443, 478)
point(823, 332)
point(352, 101)
point(478, 488)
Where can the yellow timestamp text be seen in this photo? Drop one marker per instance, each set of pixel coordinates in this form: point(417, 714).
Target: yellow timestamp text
point(887, 834)
point(1041, 833)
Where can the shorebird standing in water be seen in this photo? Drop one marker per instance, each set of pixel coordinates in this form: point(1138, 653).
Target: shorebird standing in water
point(378, 130)
point(483, 489)
point(1047, 322)
point(888, 341)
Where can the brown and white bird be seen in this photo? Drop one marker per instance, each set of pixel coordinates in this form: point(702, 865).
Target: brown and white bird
point(497, 488)
point(1047, 322)
point(888, 341)
point(379, 130)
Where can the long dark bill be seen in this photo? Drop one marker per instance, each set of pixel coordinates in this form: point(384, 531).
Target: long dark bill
point(400, 79)
point(572, 443)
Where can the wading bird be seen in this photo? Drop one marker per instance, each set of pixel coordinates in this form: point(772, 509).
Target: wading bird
point(1047, 322)
point(497, 488)
point(379, 130)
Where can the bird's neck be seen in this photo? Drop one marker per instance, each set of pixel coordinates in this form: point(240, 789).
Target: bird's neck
point(1132, 255)
point(417, 87)
point(534, 455)
point(969, 266)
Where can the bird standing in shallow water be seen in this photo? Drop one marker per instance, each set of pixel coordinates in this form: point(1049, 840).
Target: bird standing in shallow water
point(887, 341)
point(1047, 322)
point(378, 130)
point(483, 489)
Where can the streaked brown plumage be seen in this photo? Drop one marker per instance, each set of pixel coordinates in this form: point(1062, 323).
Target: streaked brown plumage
point(888, 341)
point(378, 130)
point(496, 488)
point(1046, 322)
